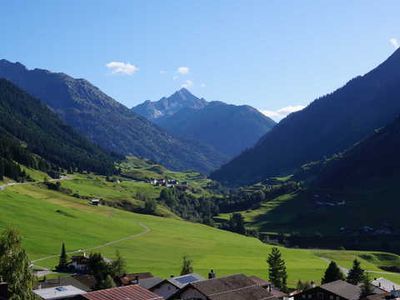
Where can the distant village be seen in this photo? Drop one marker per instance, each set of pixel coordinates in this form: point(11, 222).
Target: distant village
point(169, 183)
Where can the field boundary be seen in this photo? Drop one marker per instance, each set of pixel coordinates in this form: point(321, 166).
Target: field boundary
point(144, 232)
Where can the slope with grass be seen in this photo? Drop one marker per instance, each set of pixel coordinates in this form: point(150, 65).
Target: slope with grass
point(46, 218)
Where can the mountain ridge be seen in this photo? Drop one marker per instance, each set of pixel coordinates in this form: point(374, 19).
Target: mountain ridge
point(107, 122)
point(228, 128)
point(329, 125)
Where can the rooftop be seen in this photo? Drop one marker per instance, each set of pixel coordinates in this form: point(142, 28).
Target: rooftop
point(343, 289)
point(235, 287)
point(59, 292)
point(130, 292)
point(181, 281)
point(385, 284)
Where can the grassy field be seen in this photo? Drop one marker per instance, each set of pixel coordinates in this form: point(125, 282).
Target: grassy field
point(46, 218)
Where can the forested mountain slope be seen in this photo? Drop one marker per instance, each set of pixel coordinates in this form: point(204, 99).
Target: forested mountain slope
point(328, 125)
point(34, 136)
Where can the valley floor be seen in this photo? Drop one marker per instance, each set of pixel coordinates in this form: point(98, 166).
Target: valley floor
point(47, 218)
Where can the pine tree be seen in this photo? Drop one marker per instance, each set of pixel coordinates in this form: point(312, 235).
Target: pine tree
point(118, 265)
point(356, 273)
point(366, 287)
point(15, 266)
point(107, 283)
point(277, 269)
point(63, 260)
point(332, 273)
point(187, 266)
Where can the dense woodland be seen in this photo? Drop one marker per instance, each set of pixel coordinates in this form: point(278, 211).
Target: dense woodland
point(34, 136)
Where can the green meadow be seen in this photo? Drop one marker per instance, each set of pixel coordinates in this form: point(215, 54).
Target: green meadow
point(47, 218)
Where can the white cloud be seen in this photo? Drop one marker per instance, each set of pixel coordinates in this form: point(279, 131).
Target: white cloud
point(203, 85)
point(279, 114)
point(118, 67)
point(187, 84)
point(175, 77)
point(183, 70)
point(395, 42)
point(162, 72)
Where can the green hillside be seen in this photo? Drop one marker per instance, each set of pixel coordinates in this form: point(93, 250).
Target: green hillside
point(46, 218)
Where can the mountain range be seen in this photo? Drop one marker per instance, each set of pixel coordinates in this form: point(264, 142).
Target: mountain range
point(229, 129)
point(329, 125)
point(107, 122)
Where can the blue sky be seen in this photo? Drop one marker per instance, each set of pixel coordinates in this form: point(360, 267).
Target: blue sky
point(269, 54)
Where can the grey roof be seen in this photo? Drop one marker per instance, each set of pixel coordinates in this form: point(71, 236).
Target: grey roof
point(234, 287)
point(148, 283)
point(343, 289)
point(385, 284)
point(68, 280)
point(59, 292)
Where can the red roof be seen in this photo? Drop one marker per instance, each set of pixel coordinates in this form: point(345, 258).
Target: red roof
point(130, 292)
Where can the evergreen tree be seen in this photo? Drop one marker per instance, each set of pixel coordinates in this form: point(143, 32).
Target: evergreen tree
point(15, 266)
point(332, 273)
point(277, 269)
point(63, 260)
point(356, 273)
point(106, 283)
point(118, 266)
point(187, 266)
point(366, 287)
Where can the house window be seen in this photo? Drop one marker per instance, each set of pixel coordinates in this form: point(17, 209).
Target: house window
point(337, 298)
point(320, 296)
point(303, 296)
point(309, 296)
point(330, 297)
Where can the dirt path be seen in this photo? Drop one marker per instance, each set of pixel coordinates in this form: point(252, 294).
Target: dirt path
point(4, 186)
point(144, 232)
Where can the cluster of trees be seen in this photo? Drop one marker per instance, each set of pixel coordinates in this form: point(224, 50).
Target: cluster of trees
point(104, 272)
point(356, 275)
point(235, 224)
point(188, 206)
point(11, 155)
point(243, 199)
